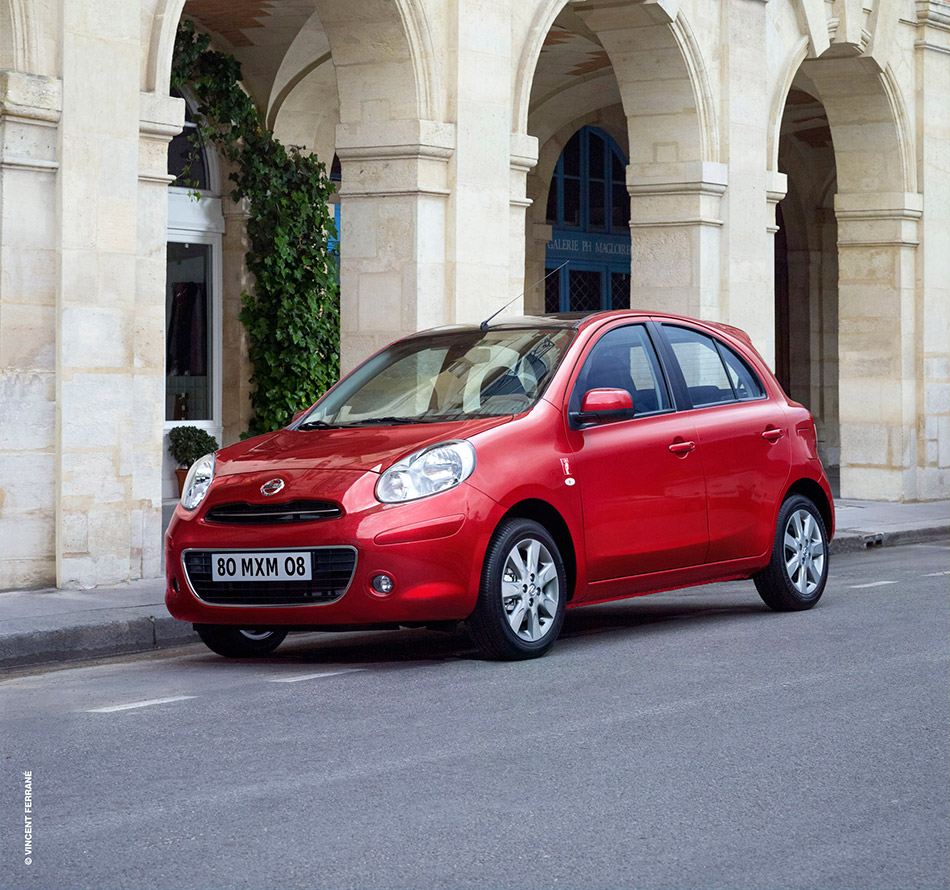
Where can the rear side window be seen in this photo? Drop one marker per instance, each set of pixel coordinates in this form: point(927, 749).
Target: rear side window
point(624, 358)
point(741, 376)
point(714, 374)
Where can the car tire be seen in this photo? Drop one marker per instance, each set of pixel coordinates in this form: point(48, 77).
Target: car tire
point(795, 577)
point(522, 595)
point(239, 642)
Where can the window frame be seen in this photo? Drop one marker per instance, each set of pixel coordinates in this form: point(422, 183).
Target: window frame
point(572, 406)
point(678, 379)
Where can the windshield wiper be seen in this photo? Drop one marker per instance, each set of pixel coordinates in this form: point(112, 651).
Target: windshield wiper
point(318, 425)
point(386, 421)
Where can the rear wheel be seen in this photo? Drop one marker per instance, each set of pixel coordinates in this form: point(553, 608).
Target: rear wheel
point(795, 577)
point(523, 593)
point(239, 642)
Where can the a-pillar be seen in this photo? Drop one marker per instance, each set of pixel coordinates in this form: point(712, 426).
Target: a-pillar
point(933, 79)
point(29, 115)
point(394, 200)
point(877, 244)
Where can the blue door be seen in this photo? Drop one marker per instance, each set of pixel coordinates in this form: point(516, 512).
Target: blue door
point(589, 210)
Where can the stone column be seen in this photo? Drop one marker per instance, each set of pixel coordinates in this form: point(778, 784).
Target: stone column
point(877, 244)
point(236, 367)
point(675, 238)
point(29, 116)
point(482, 256)
point(97, 302)
point(161, 118)
point(534, 267)
point(748, 245)
point(933, 341)
point(394, 200)
point(524, 156)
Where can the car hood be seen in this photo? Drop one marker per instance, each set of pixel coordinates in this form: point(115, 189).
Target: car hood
point(350, 448)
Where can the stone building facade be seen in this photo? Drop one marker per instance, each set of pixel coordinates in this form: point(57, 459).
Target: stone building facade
point(782, 165)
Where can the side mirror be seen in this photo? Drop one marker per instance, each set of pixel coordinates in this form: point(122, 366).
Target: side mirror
point(600, 405)
point(298, 415)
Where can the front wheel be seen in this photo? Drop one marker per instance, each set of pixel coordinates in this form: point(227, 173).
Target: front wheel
point(523, 593)
point(795, 577)
point(239, 642)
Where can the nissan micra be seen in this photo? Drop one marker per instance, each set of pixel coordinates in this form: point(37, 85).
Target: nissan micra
point(501, 474)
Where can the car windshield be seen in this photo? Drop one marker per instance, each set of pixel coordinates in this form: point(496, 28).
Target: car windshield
point(451, 375)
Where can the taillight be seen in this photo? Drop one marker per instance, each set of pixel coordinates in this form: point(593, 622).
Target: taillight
point(806, 432)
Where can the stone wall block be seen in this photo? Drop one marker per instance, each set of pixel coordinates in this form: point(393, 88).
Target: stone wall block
point(98, 337)
point(28, 275)
point(867, 444)
point(28, 220)
point(943, 443)
point(937, 398)
point(26, 573)
point(28, 401)
point(75, 534)
point(26, 483)
point(26, 536)
point(27, 337)
point(92, 402)
point(380, 301)
point(90, 478)
point(79, 275)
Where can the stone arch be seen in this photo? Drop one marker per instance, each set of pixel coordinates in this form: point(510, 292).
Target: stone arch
point(158, 42)
point(642, 40)
point(309, 110)
point(28, 36)
point(868, 119)
point(538, 30)
point(404, 81)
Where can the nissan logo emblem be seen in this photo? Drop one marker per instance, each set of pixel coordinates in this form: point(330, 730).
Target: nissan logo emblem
point(272, 487)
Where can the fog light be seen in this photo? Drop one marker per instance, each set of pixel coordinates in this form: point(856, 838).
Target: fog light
point(382, 584)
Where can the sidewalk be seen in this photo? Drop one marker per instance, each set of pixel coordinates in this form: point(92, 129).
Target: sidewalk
point(54, 626)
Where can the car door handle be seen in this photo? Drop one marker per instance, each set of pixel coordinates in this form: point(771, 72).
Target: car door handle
point(772, 435)
point(682, 447)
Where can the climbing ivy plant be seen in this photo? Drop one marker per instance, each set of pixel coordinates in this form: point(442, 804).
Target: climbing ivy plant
point(293, 316)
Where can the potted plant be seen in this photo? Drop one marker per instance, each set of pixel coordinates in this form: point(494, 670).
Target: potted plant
point(186, 444)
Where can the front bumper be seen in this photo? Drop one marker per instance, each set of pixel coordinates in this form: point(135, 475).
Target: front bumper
point(432, 549)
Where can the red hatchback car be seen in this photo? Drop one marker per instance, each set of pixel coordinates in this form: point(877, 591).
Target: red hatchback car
point(501, 474)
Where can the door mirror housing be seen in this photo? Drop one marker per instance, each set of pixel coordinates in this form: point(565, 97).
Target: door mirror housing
point(600, 405)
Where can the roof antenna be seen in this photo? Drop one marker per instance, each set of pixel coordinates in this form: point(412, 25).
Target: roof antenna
point(484, 325)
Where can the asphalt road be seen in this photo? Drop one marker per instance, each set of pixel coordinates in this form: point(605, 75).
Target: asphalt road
point(688, 739)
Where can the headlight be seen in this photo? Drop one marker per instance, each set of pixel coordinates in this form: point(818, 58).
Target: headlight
point(197, 482)
point(434, 469)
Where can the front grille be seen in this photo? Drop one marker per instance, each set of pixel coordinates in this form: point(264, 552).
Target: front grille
point(241, 513)
point(331, 567)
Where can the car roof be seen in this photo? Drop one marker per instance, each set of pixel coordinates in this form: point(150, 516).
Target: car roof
point(580, 320)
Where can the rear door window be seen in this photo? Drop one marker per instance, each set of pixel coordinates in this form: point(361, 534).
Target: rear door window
point(702, 366)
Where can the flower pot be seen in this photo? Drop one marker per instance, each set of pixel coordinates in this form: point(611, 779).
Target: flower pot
point(182, 474)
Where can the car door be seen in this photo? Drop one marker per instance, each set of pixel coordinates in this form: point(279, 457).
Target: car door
point(742, 441)
point(642, 487)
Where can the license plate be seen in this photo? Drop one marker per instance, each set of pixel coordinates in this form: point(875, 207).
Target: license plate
point(276, 566)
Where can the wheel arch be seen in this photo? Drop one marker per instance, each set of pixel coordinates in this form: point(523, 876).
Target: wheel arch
point(816, 494)
point(545, 514)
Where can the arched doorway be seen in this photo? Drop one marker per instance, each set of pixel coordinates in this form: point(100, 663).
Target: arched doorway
point(806, 267)
point(588, 209)
point(193, 286)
